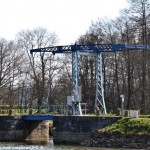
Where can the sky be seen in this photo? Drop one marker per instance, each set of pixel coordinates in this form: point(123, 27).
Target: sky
point(67, 18)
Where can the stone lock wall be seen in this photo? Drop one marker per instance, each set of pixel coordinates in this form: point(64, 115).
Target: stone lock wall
point(11, 128)
point(14, 128)
point(75, 129)
point(66, 129)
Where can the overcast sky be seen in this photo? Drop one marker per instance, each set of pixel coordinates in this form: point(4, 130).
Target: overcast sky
point(67, 18)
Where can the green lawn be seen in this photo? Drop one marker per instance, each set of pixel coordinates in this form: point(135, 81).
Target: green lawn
point(129, 126)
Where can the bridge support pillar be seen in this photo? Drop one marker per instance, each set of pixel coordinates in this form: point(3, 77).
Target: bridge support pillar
point(36, 131)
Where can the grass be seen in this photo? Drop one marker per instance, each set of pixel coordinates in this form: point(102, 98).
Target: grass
point(144, 116)
point(102, 115)
point(18, 112)
point(129, 126)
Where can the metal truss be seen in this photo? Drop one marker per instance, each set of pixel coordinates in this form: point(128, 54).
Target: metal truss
point(76, 106)
point(89, 50)
point(100, 106)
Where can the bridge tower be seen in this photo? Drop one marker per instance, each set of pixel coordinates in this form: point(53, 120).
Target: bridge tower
point(76, 106)
point(99, 99)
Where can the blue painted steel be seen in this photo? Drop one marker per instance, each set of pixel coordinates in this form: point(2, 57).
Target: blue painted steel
point(75, 91)
point(37, 117)
point(90, 48)
point(99, 99)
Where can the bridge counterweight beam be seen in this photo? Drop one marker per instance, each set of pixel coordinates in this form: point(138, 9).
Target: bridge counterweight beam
point(99, 100)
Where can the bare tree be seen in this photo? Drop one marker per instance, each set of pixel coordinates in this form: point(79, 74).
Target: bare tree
point(140, 15)
point(10, 59)
point(37, 38)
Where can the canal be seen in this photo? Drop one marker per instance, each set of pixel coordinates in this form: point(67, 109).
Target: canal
point(49, 146)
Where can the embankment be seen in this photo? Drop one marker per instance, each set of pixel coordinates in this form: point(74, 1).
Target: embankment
point(126, 133)
point(116, 140)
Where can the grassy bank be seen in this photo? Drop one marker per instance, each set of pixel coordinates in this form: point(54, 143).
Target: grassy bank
point(129, 126)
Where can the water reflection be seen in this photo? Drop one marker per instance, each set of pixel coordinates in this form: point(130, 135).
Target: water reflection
point(49, 146)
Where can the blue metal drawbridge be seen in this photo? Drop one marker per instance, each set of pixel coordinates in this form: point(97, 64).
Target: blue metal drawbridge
point(89, 50)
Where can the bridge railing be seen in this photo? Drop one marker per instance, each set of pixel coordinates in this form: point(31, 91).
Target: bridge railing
point(56, 109)
point(64, 109)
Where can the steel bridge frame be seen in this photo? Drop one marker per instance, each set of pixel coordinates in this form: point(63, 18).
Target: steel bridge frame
point(89, 50)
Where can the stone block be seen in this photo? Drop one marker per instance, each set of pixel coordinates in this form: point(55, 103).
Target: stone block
point(75, 129)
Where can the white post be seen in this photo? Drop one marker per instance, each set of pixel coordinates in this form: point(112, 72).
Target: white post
point(122, 104)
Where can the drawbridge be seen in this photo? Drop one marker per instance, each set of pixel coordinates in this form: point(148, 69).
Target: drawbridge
point(88, 50)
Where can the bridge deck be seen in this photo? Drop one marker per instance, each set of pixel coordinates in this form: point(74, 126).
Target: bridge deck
point(37, 117)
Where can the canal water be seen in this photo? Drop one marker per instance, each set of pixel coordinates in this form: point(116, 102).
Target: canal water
point(49, 146)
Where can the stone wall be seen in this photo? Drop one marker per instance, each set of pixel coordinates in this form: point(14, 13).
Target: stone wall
point(36, 131)
point(66, 129)
point(14, 128)
point(75, 129)
point(11, 128)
